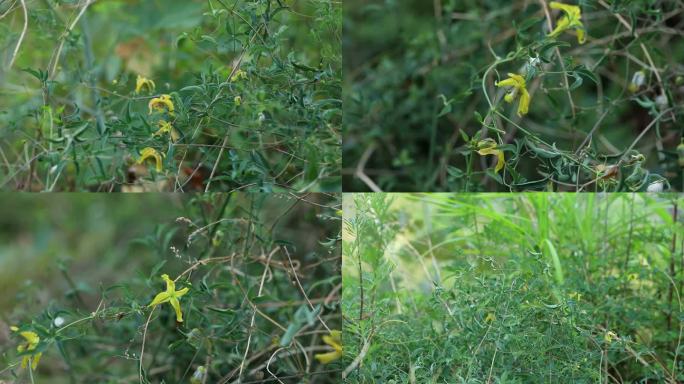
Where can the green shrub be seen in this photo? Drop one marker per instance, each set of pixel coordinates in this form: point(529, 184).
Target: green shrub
point(421, 100)
point(251, 95)
point(253, 296)
point(530, 288)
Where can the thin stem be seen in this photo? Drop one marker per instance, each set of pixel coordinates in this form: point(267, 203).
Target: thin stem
point(21, 37)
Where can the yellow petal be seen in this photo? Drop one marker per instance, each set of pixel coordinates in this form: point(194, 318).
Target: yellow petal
point(151, 152)
point(14, 328)
point(141, 82)
point(182, 292)
point(487, 151)
point(166, 127)
point(32, 339)
point(36, 359)
point(520, 81)
point(333, 341)
point(490, 318)
point(500, 162)
point(162, 297)
point(524, 105)
point(581, 38)
point(490, 149)
point(170, 284)
point(160, 103)
point(486, 144)
point(562, 24)
point(326, 358)
point(24, 361)
point(507, 83)
point(514, 80)
point(176, 306)
point(572, 11)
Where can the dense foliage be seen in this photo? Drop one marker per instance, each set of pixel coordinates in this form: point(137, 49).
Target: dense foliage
point(173, 95)
point(532, 288)
point(254, 299)
point(597, 105)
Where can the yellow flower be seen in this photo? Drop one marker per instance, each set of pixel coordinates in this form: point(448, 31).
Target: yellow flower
point(237, 100)
point(632, 276)
point(490, 318)
point(171, 296)
point(31, 343)
point(335, 341)
point(519, 87)
point(488, 147)
point(160, 103)
point(148, 152)
point(575, 295)
point(142, 82)
point(239, 74)
point(609, 336)
point(166, 127)
point(571, 19)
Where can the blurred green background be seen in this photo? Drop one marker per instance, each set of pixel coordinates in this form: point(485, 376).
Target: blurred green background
point(90, 235)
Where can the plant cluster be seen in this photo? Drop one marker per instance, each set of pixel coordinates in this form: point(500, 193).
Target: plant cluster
point(596, 89)
point(239, 288)
point(528, 288)
point(170, 95)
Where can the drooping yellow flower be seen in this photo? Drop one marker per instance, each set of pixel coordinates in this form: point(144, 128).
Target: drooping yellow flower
point(161, 103)
point(610, 336)
point(570, 20)
point(142, 82)
point(335, 341)
point(149, 152)
point(519, 86)
point(170, 296)
point(32, 340)
point(490, 318)
point(239, 74)
point(166, 127)
point(488, 147)
point(237, 100)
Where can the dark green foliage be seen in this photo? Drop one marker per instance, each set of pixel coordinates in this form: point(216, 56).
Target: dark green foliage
point(420, 94)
